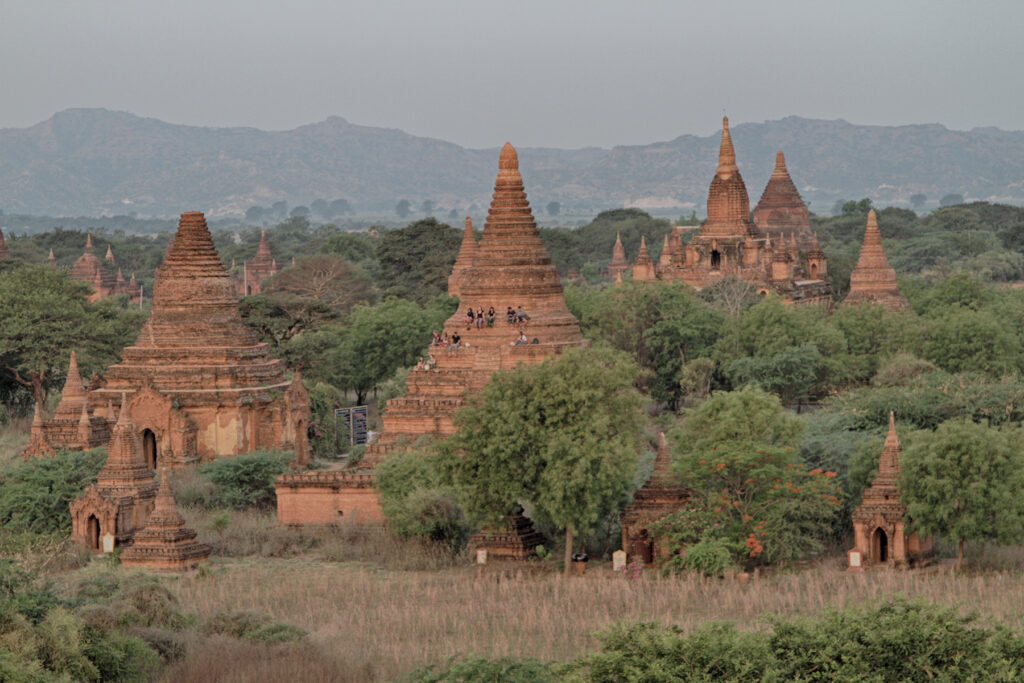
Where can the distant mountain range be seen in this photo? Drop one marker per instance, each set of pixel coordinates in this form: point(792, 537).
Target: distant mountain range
point(98, 162)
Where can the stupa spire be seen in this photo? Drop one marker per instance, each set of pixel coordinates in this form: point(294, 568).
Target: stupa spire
point(662, 474)
point(4, 252)
point(72, 397)
point(165, 513)
point(465, 258)
point(665, 260)
point(52, 259)
point(873, 279)
point(110, 254)
point(726, 153)
point(88, 242)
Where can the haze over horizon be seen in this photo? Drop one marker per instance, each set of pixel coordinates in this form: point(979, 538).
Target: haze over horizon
point(575, 74)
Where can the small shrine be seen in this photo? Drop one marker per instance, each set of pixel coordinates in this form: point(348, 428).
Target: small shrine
point(872, 279)
point(165, 543)
point(661, 495)
point(4, 251)
point(100, 275)
point(74, 425)
point(254, 272)
point(879, 526)
point(120, 502)
point(618, 264)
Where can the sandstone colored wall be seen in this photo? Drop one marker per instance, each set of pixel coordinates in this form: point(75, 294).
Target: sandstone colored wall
point(315, 502)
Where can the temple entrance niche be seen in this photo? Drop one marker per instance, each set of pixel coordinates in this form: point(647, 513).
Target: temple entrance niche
point(149, 448)
point(880, 545)
point(93, 532)
point(716, 259)
point(814, 271)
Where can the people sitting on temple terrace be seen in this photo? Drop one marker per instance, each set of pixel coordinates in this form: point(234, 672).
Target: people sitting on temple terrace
point(491, 313)
point(470, 317)
point(520, 340)
point(521, 314)
point(453, 343)
point(510, 316)
point(479, 318)
point(436, 340)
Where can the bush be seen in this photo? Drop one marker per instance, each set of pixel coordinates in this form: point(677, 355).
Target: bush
point(247, 480)
point(471, 668)
point(257, 628)
point(35, 494)
point(711, 557)
point(416, 501)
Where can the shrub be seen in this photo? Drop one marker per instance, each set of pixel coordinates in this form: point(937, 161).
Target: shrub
point(246, 480)
point(257, 628)
point(35, 494)
point(417, 502)
point(711, 557)
point(472, 668)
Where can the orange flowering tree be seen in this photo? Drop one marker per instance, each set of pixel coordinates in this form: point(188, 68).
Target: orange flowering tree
point(753, 500)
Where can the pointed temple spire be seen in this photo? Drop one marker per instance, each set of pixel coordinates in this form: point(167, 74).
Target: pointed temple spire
point(726, 153)
point(465, 258)
point(643, 265)
point(165, 544)
point(728, 202)
point(88, 243)
point(665, 259)
point(72, 397)
point(4, 252)
point(872, 279)
point(263, 250)
point(52, 259)
point(110, 255)
point(662, 474)
point(781, 209)
point(618, 264)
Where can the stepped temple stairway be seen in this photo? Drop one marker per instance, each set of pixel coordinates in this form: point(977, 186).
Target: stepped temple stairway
point(509, 267)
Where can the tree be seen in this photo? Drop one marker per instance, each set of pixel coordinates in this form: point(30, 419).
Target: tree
point(792, 373)
point(403, 208)
point(340, 207)
point(299, 212)
point(751, 494)
point(280, 209)
point(415, 261)
point(427, 206)
point(553, 208)
point(254, 214)
point(562, 436)
point(324, 279)
point(45, 315)
point(320, 208)
point(965, 481)
point(917, 200)
point(853, 208)
point(951, 199)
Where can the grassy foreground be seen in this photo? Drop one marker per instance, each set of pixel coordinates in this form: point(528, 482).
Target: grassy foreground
point(368, 623)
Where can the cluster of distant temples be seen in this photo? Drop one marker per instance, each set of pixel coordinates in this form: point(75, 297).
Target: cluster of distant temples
point(198, 385)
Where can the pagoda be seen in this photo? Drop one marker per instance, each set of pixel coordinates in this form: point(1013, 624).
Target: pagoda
point(643, 264)
point(198, 382)
point(510, 267)
point(618, 264)
point(465, 258)
point(165, 544)
point(74, 425)
point(873, 280)
point(254, 272)
point(781, 213)
point(89, 269)
point(879, 527)
point(661, 495)
point(4, 251)
point(120, 501)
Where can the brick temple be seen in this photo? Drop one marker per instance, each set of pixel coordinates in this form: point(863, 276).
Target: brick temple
point(661, 495)
point(165, 543)
point(509, 267)
point(731, 244)
point(464, 260)
point(781, 213)
point(254, 272)
point(198, 382)
point(4, 251)
point(873, 280)
point(879, 522)
point(105, 278)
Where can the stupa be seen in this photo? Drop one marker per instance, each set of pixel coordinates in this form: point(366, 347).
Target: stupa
point(618, 264)
point(120, 501)
point(873, 280)
point(74, 425)
point(465, 258)
point(100, 275)
point(51, 259)
point(662, 494)
point(509, 268)
point(165, 544)
point(254, 272)
point(4, 251)
point(781, 213)
point(199, 384)
point(879, 526)
point(643, 264)
point(730, 244)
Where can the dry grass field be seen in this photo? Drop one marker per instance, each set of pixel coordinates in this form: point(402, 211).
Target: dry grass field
point(367, 623)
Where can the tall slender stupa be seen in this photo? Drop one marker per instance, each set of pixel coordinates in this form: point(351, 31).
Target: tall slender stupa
point(872, 279)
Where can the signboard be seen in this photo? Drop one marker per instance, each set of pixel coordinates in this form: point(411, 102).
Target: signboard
point(108, 543)
point(855, 559)
point(351, 424)
point(619, 560)
point(481, 556)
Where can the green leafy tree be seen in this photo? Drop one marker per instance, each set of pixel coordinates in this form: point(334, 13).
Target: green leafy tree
point(792, 373)
point(562, 436)
point(965, 481)
point(918, 200)
point(35, 494)
point(951, 199)
point(403, 208)
point(417, 500)
point(751, 492)
point(553, 208)
point(247, 480)
point(978, 341)
point(415, 262)
point(45, 315)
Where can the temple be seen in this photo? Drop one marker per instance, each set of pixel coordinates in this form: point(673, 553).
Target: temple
point(197, 381)
point(464, 260)
point(165, 544)
point(74, 426)
point(120, 501)
point(643, 265)
point(661, 495)
point(879, 527)
point(618, 264)
point(781, 214)
point(101, 275)
point(730, 244)
point(509, 267)
point(254, 272)
point(873, 280)
point(4, 251)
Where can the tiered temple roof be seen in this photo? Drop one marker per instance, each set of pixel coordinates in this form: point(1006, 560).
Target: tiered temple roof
point(618, 264)
point(261, 267)
point(464, 260)
point(510, 268)
point(98, 274)
point(643, 265)
point(781, 211)
point(662, 494)
point(4, 251)
point(872, 279)
point(74, 426)
point(165, 544)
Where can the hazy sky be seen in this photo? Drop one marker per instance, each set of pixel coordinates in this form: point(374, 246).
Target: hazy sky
point(538, 73)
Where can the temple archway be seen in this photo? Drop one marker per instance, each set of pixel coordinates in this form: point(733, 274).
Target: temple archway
point(716, 259)
point(879, 546)
point(92, 530)
point(814, 271)
point(149, 447)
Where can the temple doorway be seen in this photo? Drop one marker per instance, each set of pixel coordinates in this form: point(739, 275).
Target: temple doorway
point(92, 531)
point(149, 447)
point(814, 271)
point(880, 546)
point(716, 259)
